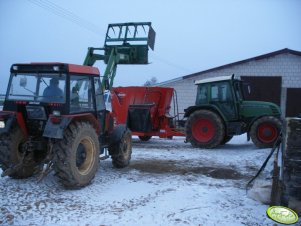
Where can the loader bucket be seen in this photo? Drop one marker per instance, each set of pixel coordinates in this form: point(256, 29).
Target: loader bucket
point(131, 40)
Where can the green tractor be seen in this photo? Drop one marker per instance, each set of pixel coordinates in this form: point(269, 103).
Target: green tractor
point(220, 112)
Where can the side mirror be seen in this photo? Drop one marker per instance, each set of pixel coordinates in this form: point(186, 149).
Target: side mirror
point(23, 82)
point(249, 89)
point(107, 99)
point(246, 88)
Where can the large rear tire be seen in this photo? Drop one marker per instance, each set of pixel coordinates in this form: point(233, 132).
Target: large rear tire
point(204, 129)
point(11, 153)
point(265, 131)
point(77, 155)
point(122, 150)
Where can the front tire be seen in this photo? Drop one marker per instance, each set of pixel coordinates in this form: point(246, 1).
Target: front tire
point(204, 129)
point(122, 150)
point(265, 131)
point(77, 155)
point(11, 153)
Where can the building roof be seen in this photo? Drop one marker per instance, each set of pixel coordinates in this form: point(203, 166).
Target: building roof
point(260, 57)
point(215, 79)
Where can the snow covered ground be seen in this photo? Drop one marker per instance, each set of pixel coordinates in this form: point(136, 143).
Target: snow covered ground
point(167, 183)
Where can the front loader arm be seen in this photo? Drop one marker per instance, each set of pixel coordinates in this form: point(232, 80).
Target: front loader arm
point(112, 61)
point(125, 43)
point(92, 57)
point(111, 68)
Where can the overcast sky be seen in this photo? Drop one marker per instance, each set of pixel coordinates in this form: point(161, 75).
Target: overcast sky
point(191, 35)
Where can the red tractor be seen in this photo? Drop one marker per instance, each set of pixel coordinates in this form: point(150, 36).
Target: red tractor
point(54, 114)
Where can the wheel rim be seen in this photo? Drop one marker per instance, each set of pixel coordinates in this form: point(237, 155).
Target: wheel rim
point(203, 130)
point(85, 155)
point(267, 133)
point(126, 146)
point(20, 151)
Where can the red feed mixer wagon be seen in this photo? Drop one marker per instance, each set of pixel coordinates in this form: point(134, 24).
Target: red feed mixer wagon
point(146, 111)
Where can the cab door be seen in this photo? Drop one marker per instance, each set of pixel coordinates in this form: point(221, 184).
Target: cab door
point(100, 104)
point(223, 98)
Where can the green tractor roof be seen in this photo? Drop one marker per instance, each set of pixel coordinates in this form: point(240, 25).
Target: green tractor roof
point(215, 79)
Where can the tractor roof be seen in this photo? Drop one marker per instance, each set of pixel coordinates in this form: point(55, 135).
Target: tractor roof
point(215, 79)
point(75, 68)
point(54, 67)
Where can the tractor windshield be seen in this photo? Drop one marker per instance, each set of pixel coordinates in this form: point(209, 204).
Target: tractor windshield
point(37, 87)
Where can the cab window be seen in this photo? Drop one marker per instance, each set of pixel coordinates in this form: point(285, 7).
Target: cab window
point(221, 92)
point(202, 94)
point(81, 94)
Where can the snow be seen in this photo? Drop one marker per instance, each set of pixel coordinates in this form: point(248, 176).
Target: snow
point(167, 183)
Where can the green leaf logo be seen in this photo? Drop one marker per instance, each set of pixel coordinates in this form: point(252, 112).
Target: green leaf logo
point(282, 214)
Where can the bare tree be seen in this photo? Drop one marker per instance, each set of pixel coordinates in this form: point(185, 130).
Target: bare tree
point(151, 82)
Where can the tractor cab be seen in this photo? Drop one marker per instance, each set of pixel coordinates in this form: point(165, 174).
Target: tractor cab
point(219, 92)
point(44, 94)
point(227, 95)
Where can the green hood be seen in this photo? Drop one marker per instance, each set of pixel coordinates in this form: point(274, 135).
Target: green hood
point(258, 108)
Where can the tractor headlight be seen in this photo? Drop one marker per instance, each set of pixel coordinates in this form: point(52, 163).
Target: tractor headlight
point(56, 68)
point(2, 124)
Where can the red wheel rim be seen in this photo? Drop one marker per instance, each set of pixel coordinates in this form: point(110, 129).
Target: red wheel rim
point(267, 133)
point(203, 130)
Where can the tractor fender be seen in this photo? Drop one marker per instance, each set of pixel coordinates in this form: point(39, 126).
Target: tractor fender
point(117, 134)
point(56, 130)
point(252, 122)
point(10, 118)
point(190, 110)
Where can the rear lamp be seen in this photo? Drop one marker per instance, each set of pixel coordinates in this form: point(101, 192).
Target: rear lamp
point(55, 120)
point(56, 117)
